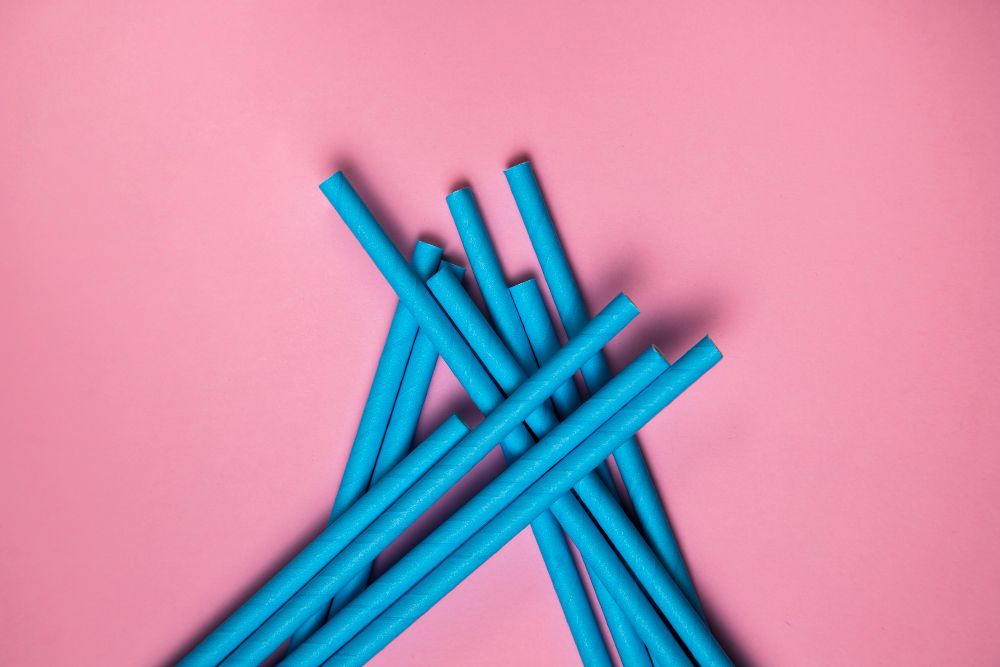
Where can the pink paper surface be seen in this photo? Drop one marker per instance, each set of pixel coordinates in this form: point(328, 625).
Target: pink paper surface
point(188, 331)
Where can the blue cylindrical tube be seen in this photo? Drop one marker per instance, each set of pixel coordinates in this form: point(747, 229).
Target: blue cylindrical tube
point(376, 416)
point(573, 313)
point(544, 343)
point(224, 639)
point(479, 510)
point(372, 506)
point(489, 276)
point(550, 488)
point(395, 445)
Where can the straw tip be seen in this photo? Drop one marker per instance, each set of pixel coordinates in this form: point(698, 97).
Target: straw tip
point(459, 194)
point(518, 167)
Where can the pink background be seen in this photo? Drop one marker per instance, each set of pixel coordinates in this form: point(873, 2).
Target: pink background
point(188, 330)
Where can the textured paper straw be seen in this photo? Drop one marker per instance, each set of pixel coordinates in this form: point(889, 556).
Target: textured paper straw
point(320, 551)
point(489, 276)
point(289, 607)
point(375, 417)
point(499, 363)
point(395, 445)
point(573, 313)
point(556, 482)
point(556, 554)
point(481, 337)
point(544, 343)
point(469, 372)
point(644, 564)
point(479, 510)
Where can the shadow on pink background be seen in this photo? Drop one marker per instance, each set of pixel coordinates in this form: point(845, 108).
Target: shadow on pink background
point(188, 331)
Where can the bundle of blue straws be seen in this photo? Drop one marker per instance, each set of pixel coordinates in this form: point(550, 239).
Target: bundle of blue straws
point(326, 602)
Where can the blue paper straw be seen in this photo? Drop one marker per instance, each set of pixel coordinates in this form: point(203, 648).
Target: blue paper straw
point(463, 364)
point(321, 550)
point(377, 529)
point(481, 337)
point(395, 445)
point(550, 488)
point(500, 363)
point(376, 415)
point(573, 313)
point(544, 343)
point(489, 276)
point(479, 510)
point(647, 568)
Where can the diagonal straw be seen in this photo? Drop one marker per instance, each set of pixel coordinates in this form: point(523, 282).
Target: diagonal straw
point(472, 516)
point(371, 507)
point(551, 488)
point(573, 313)
point(376, 416)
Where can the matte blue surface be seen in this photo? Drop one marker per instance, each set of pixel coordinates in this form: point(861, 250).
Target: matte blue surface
point(504, 368)
point(459, 358)
point(376, 416)
point(542, 494)
point(395, 445)
point(376, 533)
point(489, 277)
point(224, 639)
point(479, 510)
point(544, 343)
point(573, 313)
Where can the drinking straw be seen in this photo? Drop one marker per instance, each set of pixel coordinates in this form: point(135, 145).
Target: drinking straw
point(544, 343)
point(646, 567)
point(489, 276)
point(499, 363)
point(543, 493)
point(376, 415)
point(479, 510)
point(467, 369)
point(319, 552)
point(480, 336)
point(573, 313)
point(387, 505)
point(395, 445)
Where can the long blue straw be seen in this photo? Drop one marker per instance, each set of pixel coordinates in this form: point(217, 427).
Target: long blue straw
point(463, 363)
point(550, 488)
point(376, 416)
point(395, 445)
point(377, 524)
point(544, 343)
point(293, 576)
point(573, 313)
point(478, 511)
point(499, 362)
